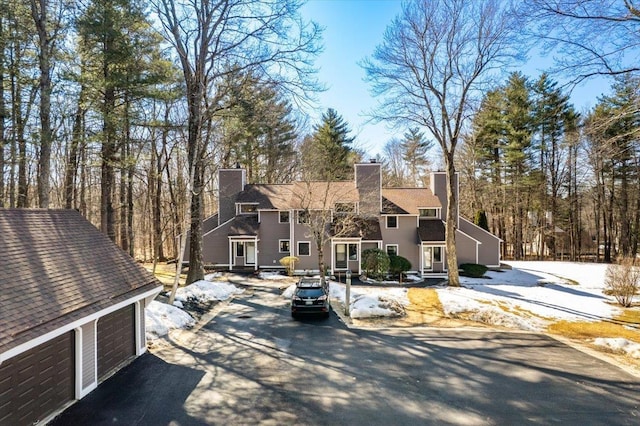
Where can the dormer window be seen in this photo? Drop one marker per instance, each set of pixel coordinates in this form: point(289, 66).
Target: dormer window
point(303, 216)
point(345, 208)
point(248, 208)
point(428, 212)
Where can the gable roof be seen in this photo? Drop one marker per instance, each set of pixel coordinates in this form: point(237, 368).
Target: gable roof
point(407, 200)
point(298, 195)
point(58, 268)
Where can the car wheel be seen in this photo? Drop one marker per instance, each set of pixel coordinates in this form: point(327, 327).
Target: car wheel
point(294, 316)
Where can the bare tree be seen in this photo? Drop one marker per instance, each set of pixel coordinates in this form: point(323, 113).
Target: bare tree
point(434, 58)
point(591, 38)
point(213, 38)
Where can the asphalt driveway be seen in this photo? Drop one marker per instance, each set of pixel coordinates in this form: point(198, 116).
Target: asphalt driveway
point(253, 364)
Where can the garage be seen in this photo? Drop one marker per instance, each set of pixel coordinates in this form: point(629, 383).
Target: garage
point(37, 382)
point(116, 340)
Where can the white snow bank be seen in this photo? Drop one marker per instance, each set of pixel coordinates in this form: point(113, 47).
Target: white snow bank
point(205, 291)
point(160, 318)
point(620, 345)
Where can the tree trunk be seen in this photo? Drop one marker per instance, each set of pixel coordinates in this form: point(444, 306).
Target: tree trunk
point(39, 14)
point(3, 115)
point(71, 169)
point(452, 222)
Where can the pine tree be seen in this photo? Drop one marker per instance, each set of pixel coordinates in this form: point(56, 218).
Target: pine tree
point(327, 155)
point(414, 152)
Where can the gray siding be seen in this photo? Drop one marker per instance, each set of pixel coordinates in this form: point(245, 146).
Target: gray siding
point(215, 245)
point(439, 189)
point(271, 232)
point(405, 236)
point(231, 183)
point(369, 184)
point(466, 248)
point(489, 250)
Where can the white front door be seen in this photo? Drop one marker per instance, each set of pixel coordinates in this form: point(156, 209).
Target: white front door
point(427, 256)
point(250, 253)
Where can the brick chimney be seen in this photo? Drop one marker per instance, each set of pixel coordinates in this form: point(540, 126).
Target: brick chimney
point(369, 184)
point(230, 183)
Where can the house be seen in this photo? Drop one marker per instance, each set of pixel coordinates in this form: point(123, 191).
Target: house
point(71, 311)
point(258, 224)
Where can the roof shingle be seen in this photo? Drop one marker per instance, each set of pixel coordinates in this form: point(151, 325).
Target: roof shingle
point(58, 268)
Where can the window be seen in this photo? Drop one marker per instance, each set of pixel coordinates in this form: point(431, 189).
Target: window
point(239, 249)
point(303, 216)
point(392, 249)
point(428, 212)
point(248, 208)
point(284, 246)
point(343, 208)
point(284, 217)
point(304, 248)
point(437, 254)
point(392, 221)
point(353, 252)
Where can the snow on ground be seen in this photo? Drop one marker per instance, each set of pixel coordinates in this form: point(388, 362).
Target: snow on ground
point(366, 302)
point(620, 345)
point(160, 318)
point(272, 276)
point(205, 291)
point(528, 297)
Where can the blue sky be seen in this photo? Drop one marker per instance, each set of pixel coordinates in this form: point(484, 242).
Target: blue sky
point(352, 30)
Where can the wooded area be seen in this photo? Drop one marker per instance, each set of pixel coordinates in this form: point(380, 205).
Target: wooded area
point(125, 111)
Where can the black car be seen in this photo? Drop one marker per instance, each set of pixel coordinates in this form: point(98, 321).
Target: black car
point(310, 297)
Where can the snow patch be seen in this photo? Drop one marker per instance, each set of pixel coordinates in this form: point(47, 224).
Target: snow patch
point(620, 345)
point(205, 291)
point(272, 276)
point(161, 317)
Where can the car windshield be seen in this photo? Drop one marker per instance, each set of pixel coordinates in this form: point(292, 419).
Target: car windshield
point(309, 292)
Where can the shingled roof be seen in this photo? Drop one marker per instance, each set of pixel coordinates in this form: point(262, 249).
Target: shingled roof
point(298, 195)
point(407, 200)
point(431, 230)
point(58, 268)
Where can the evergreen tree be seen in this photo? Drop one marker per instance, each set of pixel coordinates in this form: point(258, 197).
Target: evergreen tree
point(120, 53)
point(552, 116)
point(327, 155)
point(414, 152)
point(259, 129)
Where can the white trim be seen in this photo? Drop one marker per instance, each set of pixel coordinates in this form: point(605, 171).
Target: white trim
point(78, 363)
point(386, 222)
point(280, 242)
point(397, 246)
point(141, 338)
point(469, 236)
point(298, 248)
point(17, 350)
point(284, 211)
point(219, 226)
point(481, 229)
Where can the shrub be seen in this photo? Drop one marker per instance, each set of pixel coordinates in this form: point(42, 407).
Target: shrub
point(398, 265)
point(375, 263)
point(473, 270)
point(623, 281)
point(289, 262)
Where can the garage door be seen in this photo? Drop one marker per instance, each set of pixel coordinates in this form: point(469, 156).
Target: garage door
point(116, 340)
point(36, 383)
